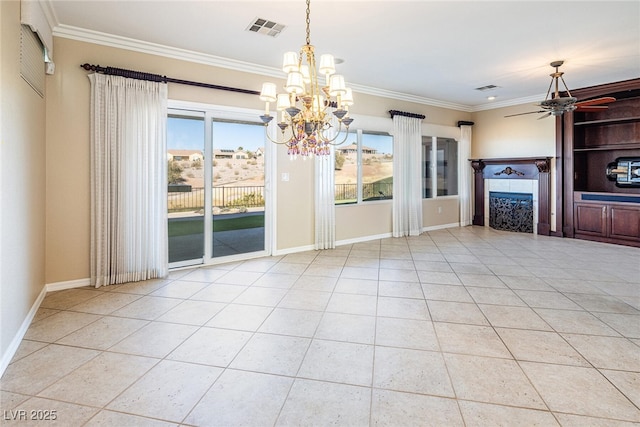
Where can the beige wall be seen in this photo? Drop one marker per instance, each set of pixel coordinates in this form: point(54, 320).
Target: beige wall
point(367, 219)
point(440, 211)
point(496, 136)
point(68, 153)
point(22, 177)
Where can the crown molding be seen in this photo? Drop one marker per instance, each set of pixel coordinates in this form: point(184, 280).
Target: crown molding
point(50, 14)
point(104, 39)
point(119, 42)
point(410, 98)
point(535, 99)
point(96, 37)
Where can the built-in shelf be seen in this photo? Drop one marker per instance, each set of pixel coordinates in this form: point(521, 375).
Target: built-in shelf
point(616, 121)
point(593, 207)
point(630, 146)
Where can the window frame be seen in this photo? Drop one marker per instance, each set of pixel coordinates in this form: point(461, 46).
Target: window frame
point(359, 177)
point(433, 167)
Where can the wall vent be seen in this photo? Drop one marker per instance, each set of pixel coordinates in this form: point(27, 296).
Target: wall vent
point(266, 27)
point(487, 87)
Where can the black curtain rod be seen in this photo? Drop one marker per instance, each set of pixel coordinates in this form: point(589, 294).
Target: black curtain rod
point(405, 114)
point(158, 78)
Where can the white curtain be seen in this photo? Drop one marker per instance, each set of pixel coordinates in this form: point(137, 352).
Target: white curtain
point(325, 212)
point(464, 173)
point(407, 184)
point(128, 180)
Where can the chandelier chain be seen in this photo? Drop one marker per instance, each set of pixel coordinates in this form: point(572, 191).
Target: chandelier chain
point(308, 22)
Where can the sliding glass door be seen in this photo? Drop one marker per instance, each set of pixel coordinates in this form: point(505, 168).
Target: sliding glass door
point(185, 178)
point(237, 188)
point(216, 187)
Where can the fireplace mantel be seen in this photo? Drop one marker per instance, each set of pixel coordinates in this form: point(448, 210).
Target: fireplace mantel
point(536, 168)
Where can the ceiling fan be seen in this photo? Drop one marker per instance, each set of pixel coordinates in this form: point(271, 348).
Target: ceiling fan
point(557, 105)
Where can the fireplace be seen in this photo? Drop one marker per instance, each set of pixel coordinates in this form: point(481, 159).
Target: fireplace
point(511, 211)
point(521, 190)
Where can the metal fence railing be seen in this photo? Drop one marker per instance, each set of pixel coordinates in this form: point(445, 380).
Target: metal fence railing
point(253, 196)
point(223, 197)
point(377, 190)
point(371, 191)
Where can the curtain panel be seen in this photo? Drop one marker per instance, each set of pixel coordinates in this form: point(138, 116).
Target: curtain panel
point(128, 180)
point(325, 211)
point(407, 183)
point(465, 186)
point(324, 193)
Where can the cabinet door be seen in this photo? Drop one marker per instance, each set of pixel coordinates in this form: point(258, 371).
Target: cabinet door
point(591, 219)
point(625, 222)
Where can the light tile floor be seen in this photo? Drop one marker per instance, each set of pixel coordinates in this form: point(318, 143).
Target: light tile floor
point(465, 326)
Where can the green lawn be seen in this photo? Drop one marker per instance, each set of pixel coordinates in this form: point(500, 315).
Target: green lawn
point(183, 228)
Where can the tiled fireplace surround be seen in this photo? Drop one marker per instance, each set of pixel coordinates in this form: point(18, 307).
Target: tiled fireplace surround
point(513, 175)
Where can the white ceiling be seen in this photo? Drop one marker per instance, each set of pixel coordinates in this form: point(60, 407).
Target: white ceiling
point(435, 52)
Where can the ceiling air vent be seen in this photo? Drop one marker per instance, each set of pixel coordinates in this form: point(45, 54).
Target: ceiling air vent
point(487, 87)
point(266, 27)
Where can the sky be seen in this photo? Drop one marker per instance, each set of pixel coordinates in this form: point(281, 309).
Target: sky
point(188, 134)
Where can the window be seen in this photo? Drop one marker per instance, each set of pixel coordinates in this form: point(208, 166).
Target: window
point(216, 195)
point(364, 168)
point(439, 166)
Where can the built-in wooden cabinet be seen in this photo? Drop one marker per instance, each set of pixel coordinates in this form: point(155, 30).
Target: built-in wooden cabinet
point(591, 206)
point(607, 217)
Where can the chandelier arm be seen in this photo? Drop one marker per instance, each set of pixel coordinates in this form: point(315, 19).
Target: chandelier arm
point(266, 132)
point(339, 131)
point(346, 135)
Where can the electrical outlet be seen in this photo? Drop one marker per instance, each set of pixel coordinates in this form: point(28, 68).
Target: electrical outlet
point(439, 209)
point(285, 176)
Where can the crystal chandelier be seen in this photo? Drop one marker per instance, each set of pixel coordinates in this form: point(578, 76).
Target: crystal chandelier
point(305, 120)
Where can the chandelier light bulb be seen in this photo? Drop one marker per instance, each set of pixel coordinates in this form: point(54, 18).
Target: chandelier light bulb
point(336, 85)
point(327, 64)
point(268, 92)
point(290, 62)
point(306, 75)
point(283, 102)
point(347, 98)
point(295, 83)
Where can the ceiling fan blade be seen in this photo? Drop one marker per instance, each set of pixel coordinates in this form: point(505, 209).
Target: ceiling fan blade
point(587, 108)
point(596, 101)
point(522, 114)
point(546, 115)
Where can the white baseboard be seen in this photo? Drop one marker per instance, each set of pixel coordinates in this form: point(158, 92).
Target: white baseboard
point(293, 250)
point(362, 239)
point(441, 227)
point(17, 339)
point(69, 284)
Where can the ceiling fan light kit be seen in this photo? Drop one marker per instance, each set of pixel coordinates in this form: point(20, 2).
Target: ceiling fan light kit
point(557, 105)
